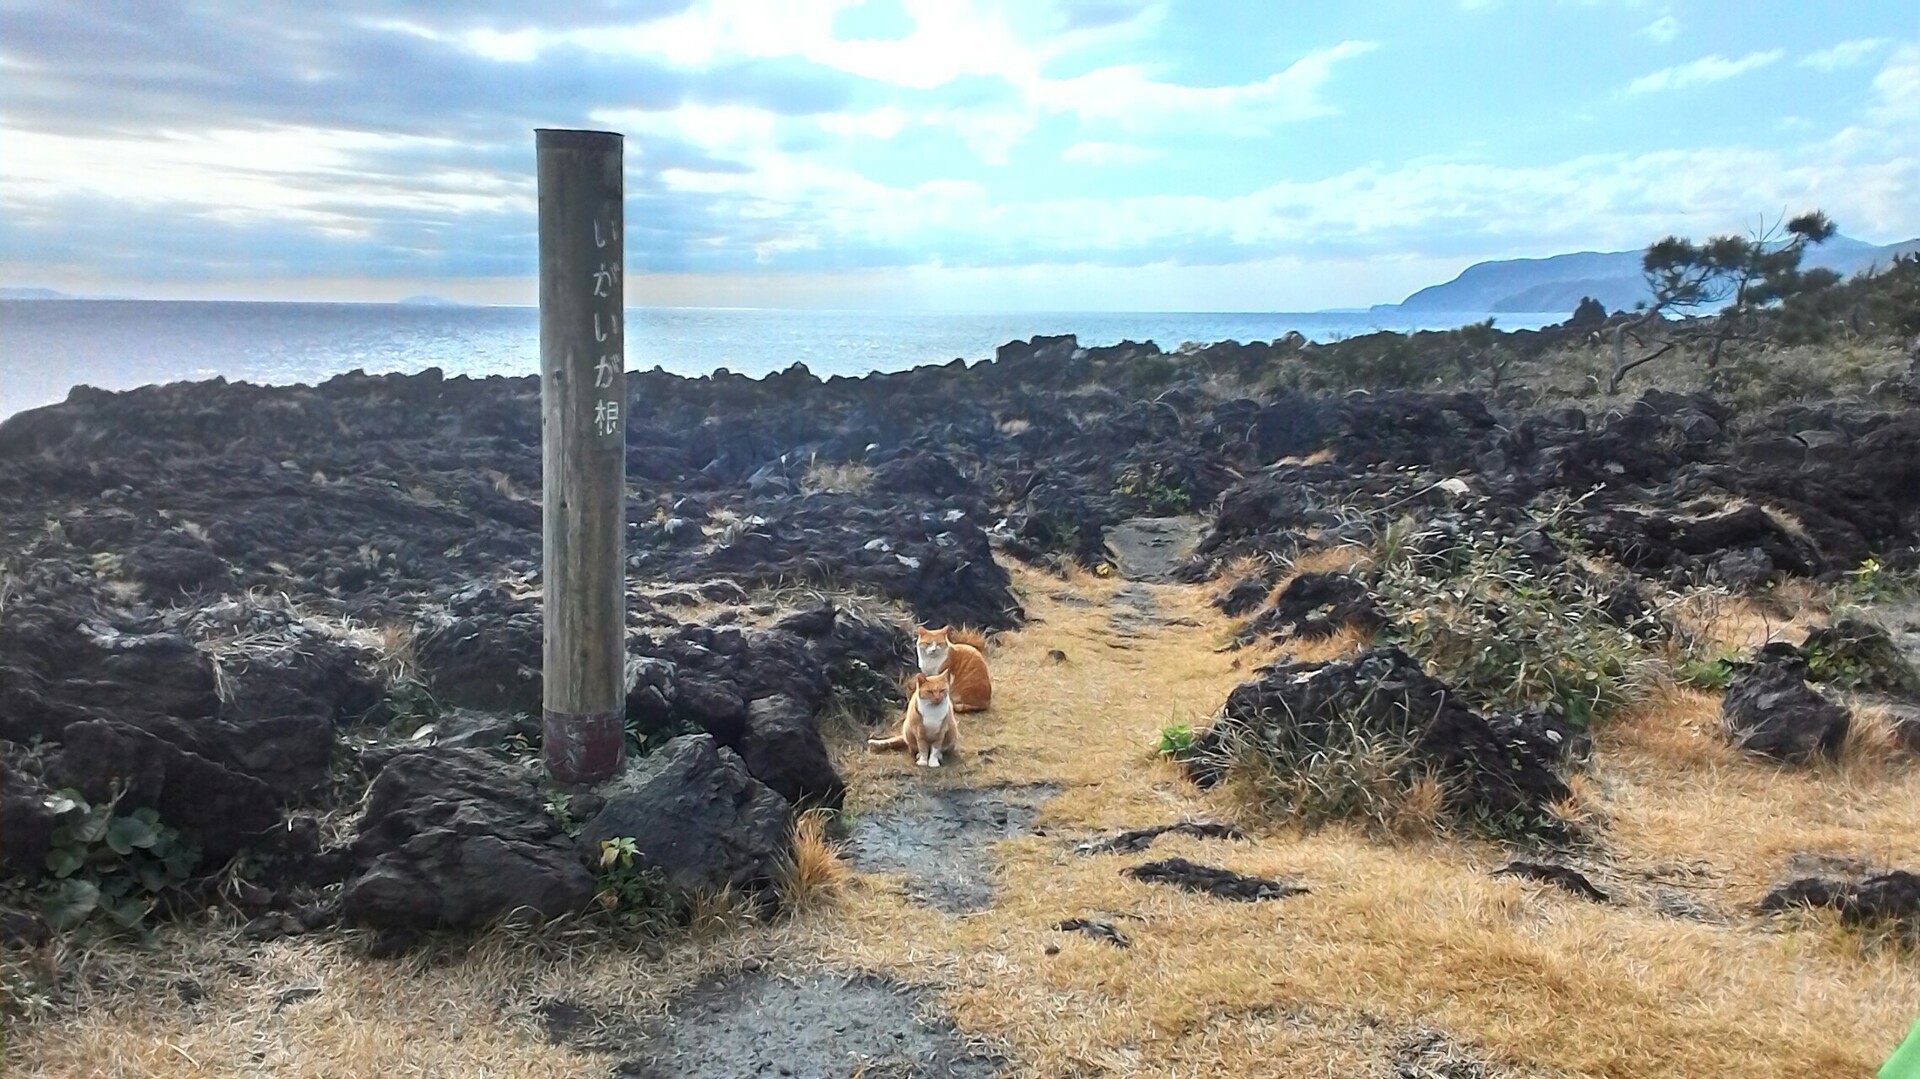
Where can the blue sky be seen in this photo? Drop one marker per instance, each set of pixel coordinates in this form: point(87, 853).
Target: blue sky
point(1039, 154)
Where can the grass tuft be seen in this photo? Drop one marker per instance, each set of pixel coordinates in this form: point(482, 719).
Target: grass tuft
point(836, 477)
point(815, 874)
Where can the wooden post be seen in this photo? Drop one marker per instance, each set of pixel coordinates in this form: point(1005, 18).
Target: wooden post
point(583, 441)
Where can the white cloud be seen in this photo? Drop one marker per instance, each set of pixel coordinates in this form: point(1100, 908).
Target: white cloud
point(956, 39)
point(1107, 153)
point(1845, 54)
point(1125, 95)
point(1663, 29)
point(881, 123)
point(1707, 69)
point(307, 176)
point(1898, 89)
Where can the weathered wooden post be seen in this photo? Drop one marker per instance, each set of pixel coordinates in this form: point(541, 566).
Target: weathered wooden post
point(583, 424)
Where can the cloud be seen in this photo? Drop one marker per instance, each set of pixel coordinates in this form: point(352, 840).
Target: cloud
point(1107, 153)
point(1845, 54)
point(385, 140)
point(1663, 29)
point(1100, 14)
point(1707, 69)
point(1897, 91)
point(1128, 97)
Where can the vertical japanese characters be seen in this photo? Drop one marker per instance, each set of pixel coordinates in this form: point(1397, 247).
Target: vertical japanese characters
point(611, 345)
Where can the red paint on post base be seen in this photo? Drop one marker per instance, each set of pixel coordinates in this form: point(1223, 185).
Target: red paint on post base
point(582, 747)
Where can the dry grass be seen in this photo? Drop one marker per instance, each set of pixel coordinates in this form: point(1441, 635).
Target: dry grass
point(815, 874)
point(1338, 559)
point(1397, 937)
point(836, 477)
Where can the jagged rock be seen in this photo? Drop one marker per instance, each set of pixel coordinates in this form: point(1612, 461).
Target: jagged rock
point(817, 621)
point(483, 650)
point(1249, 592)
point(1314, 606)
point(1890, 898)
point(176, 562)
point(453, 838)
point(921, 475)
point(1565, 877)
point(461, 728)
point(1853, 653)
point(1212, 880)
point(1096, 928)
point(214, 806)
point(783, 749)
point(27, 824)
point(1295, 709)
point(697, 815)
point(1139, 839)
point(1770, 711)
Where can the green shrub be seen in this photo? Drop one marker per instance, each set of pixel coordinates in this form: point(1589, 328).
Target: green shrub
point(1854, 653)
point(634, 897)
point(1176, 739)
point(1706, 672)
point(1156, 485)
point(109, 868)
point(1510, 633)
point(1872, 582)
point(1151, 372)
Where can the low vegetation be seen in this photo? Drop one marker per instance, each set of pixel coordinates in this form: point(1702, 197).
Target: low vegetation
point(107, 869)
point(1512, 632)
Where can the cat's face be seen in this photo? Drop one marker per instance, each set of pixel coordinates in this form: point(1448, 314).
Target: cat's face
point(934, 642)
point(931, 688)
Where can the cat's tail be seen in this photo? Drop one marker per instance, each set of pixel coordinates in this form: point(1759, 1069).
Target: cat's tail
point(879, 745)
point(969, 636)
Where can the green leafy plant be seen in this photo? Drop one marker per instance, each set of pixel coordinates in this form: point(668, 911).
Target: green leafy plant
point(109, 867)
point(1155, 484)
point(633, 895)
point(1855, 653)
point(1707, 672)
point(1873, 582)
point(1176, 740)
point(560, 808)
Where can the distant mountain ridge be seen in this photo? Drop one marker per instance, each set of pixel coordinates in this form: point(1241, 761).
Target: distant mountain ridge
point(1557, 283)
point(32, 294)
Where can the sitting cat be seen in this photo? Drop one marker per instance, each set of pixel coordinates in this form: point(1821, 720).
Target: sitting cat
point(930, 727)
point(958, 655)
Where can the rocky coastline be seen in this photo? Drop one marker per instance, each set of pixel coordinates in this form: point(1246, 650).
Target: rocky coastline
point(301, 624)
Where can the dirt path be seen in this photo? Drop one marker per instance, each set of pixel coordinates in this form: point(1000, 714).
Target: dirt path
point(942, 957)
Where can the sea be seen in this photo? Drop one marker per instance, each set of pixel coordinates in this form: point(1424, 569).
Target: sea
point(49, 346)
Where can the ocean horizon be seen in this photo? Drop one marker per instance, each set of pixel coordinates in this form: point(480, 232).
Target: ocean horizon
point(49, 346)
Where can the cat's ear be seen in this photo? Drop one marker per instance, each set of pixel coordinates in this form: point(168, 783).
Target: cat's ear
point(919, 679)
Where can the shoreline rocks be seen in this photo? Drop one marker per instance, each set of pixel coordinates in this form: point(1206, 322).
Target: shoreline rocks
point(241, 598)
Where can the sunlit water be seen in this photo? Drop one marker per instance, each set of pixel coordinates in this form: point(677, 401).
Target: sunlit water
point(49, 346)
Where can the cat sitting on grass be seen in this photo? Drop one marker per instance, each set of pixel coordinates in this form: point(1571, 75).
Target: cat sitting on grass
point(960, 655)
point(930, 727)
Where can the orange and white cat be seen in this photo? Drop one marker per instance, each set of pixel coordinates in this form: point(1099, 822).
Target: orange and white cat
point(930, 727)
point(959, 657)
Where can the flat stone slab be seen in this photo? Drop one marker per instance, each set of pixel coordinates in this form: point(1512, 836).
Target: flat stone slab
point(818, 1025)
point(941, 839)
point(1151, 548)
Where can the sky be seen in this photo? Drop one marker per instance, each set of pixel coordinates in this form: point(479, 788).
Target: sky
point(1116, 155)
